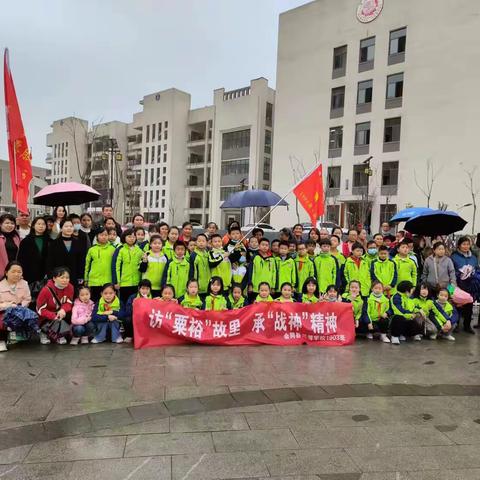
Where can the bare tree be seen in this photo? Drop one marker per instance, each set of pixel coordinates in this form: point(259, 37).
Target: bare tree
point(298, 171)
point(429, 181)
point(474, 190)
point(172, 208)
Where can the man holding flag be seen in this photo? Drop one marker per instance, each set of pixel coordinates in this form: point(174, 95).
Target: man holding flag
point(18, 151)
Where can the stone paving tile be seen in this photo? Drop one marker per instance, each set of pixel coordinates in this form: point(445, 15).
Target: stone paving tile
point(407, 435)
point(208, 422)
point(153, 426)
point(308, 462)
point(415, 458)
point(269, 420)
point(168, 444)
point(176, 392)
point(465, 434)
point(149, 468)
point(14, 455)
point(37, 471)
point(238, 465)
point(332, 437)
point(465, 474)
point(69, 449)
point(229, 379)
point(254, 440)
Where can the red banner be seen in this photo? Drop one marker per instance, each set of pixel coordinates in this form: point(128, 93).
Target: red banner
point(157, 323)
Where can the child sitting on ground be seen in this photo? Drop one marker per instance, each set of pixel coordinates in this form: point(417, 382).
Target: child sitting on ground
point(376, 313)
point(144, 291)
point(443, 317)
point(106, 315)
point(353, 296)
point(422, 300)
point(82, 325)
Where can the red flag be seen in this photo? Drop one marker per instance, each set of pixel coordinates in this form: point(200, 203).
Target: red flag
point(18, 151)
point(310, 194)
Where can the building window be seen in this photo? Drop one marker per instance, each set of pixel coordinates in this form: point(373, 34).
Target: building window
point(157, 198)
point(147, 139)
point(362, 138)
point(391, 138)
point(147, 153)
point(159, 153)
point(146, 177)
point(66, 149)
point(225, 192)
point(165, 134)
point(266, 168)
point(268, 142)
point(164, 157)
point(153, 154)
point(333, 214)
point(236, 144)
point(337, 102)
point(360, 179)
point(63, 149)
point(335, 142)
point(268, 115)
point(164, 170)
point(398, 44)
point(163, 203)
point(153, 132)
point(158, 178)
point(151, 198)
point(163, 193)
point(339, 62)
point(387, 211)
point(235, 167)
point(166, 124)
point(394, 91)
point(55, 151)
point(164, 180)
point(389, 178)
point(333, 181)
point(367, 54)
point(364, 96)
point(144, 199)
point(159, 131)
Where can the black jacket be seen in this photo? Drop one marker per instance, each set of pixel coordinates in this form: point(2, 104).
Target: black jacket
point(74, 260)
point(34, 262)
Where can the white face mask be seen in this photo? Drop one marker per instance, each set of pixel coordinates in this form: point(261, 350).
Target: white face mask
point(76, 227)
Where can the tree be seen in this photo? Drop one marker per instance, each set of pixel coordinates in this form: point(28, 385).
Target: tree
point(172, 208)
point(474, 192)
point(429, 181)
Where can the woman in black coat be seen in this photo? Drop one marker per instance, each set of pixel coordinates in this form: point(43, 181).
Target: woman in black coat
point(67, 251)
point(33, 250)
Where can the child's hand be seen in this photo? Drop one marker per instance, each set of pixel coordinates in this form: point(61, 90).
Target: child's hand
point(117, 286)
point(145, 258)
point(447, 326)
point(385, 315)
point(108, 312)
point(61, 314)
point(112, 318)
point(370, 326)
point(357, 323)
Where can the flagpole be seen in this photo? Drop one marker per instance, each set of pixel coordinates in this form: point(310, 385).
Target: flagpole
point(278, 203)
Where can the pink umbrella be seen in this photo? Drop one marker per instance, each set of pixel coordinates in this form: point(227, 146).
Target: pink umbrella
point(67, 193)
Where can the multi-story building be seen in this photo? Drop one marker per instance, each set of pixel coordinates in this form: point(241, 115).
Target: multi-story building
point(38, 182)
point(381, 92)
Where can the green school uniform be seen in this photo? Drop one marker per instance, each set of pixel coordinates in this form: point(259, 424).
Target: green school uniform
point(154, 269)
point(286, 272)
point(376, 307)
point(403, 305)
point(235, 305)
point(220, 266)
point(425, 304)
point(307, 299)
point(357, 304)
point(191, 302)
point(215, 302)
point(262, 269)
point(326, 268)
point(359, 272)
point(385, 271)
point(339, 257)
point(305, 268)
point(200, 269)
point(125, 265)
point(177, 275)
point(260, 299)
point(406, 270)
point(168, 250)
point(98, 265)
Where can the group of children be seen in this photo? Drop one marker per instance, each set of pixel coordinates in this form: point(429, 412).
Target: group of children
point(215, 273)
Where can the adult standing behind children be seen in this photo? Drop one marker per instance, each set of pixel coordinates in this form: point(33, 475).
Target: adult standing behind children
point(438, 269)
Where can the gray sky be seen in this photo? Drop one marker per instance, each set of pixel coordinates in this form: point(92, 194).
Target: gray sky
point(97, 58)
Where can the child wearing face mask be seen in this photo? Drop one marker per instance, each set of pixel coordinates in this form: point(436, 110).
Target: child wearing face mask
point(372, 253)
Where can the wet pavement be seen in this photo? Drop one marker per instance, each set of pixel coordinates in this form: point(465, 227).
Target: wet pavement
point(368, 411)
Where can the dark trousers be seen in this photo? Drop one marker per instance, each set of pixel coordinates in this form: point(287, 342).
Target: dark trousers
point(402, 326)
point(95, 293)
point(381, 326)
point(126, 292)
point(128, 326)
point(86, 330)
point(466, 313)
point(3, 335)
point(156, 293)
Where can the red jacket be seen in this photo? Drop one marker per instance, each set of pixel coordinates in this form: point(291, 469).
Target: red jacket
point(47, 307)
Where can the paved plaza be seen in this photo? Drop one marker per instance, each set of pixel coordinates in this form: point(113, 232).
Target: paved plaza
point(368, 411)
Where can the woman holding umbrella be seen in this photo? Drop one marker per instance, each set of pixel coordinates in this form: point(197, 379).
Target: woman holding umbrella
point(66, 251)
point(59, 214)
point(466, 266)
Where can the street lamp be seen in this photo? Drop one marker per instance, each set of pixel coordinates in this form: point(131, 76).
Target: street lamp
point(368, 173)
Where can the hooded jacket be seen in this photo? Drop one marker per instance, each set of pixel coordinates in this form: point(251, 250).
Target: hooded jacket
point(360, 272)
point(82, 312)
point(125, 265)
point(177, 273)
point(98, 265)
point(154, 268)
point(326, 268)
point(200, 269)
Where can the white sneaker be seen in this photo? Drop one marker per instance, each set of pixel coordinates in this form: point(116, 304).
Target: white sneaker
point(119, 340)
point(74, 340)
point(62, 341)
point(3, 346)
point(94, 340)
point(84, 340)
point(395, 341)
point(451, 338)
point(128, 340)
point(433, 336)
point(417, 338)
point(12, 337)
point(44, 340)
point(384, 338)
point(369, 336)
point(402, 338)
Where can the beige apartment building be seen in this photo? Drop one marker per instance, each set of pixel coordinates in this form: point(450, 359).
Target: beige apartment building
point(172, 163)
point(384, 94)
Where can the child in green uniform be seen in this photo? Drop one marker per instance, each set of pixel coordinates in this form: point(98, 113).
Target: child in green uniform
point(326, 267)
point(286, 293)
point(199, 265)
point(353, 296)
point(384, 271)
point(310, 246)
point(191, 299)
point(443, 317)
point(423, 301)
point(305, 268)
point(334, 243)
point(310, 292)
point(406, 267)
point(331, 295)
point(98, 264)
point(153, 264)
point(263, 293)
point(219, 261)
point(286, 270)
point(262, 269)
point(235, 298)
point(125, 265)
point(169, 245)
point(141, 235)
point(372, 252)
point(356, 268)
point(177, 270)
point(215, 300)
point(376, 313)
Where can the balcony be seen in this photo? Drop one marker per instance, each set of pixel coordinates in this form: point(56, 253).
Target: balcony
point(132, 162)
point(333, 192)
point(195, 138)
point(334, 152)
point(49, 157)
point(361, 149)
point(388, 190)
point(195, 160)
point(395, 102)
point(359, 190)
point(195, 203)
point(391, 147)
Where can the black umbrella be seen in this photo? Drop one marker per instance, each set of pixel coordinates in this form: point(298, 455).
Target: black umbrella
point(436, 222)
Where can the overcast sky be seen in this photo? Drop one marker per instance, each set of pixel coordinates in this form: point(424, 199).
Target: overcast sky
point(97, 58)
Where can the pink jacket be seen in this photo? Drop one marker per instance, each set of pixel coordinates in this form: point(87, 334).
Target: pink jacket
point(3, 251)
point(82, 312)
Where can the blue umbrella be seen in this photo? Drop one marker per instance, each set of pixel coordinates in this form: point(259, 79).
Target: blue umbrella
point(253, 198)
point(408, 213)
point(435, 222)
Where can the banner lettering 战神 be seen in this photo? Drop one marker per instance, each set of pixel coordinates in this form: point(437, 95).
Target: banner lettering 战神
point(157, 323)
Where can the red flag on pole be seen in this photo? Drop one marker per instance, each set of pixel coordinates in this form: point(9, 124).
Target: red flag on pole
point(18, 152)
point(310, 194)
